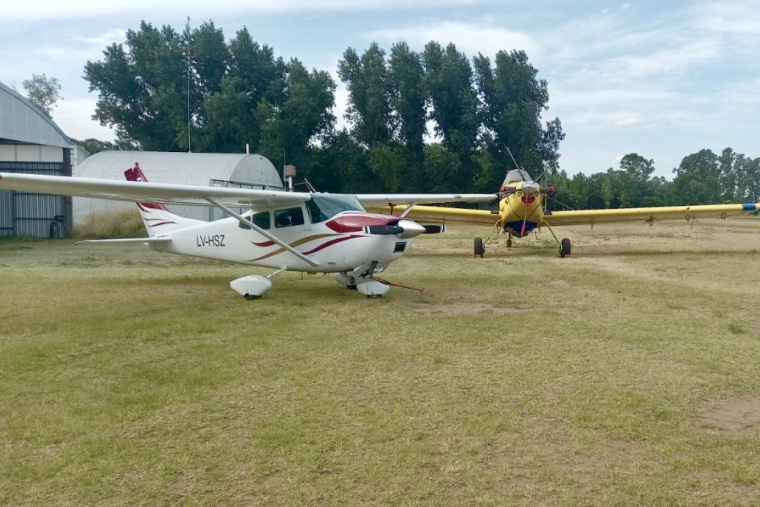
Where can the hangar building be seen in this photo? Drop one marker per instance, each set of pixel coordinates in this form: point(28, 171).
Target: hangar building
point(31, 143)
point(225, 170)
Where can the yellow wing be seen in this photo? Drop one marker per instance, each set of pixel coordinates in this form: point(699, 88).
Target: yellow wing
point(445, 214)
point(442, 214)
point(653, 214)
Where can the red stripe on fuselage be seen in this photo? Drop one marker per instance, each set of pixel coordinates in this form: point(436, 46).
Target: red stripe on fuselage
point(330, 243)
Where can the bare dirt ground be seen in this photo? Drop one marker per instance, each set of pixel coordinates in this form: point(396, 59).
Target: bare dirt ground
point(732, 416)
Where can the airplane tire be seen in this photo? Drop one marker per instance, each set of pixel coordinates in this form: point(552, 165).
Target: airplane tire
point(564, 247)
point(480, 249)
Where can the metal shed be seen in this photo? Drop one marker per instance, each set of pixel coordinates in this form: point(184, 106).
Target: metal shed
point(227, 170)
point(31, 143)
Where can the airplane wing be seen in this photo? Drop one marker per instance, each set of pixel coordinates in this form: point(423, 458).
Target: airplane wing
point(581, 217)
point(649, 215)
point(375, 201)
point(167, 193)
point(442, 214)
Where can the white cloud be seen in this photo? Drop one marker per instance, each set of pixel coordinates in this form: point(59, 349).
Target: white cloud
point(733, 18)
point(104, 39)
point(470, 38)
point(74, 116)
point(15, 10)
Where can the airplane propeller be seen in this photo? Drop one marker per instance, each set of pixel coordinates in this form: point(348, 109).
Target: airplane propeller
point(404, 229)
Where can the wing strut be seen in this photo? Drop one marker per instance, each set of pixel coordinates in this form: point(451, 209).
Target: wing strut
point(409, 208)
point(263, 232)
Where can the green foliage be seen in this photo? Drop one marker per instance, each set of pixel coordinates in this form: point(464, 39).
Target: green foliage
point(369, 108)
point(702, 178)
point(159, 84)
point(169, 91)
point(512, 103)
point(42, 91)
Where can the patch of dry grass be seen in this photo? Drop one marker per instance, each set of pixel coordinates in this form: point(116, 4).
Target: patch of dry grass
point(124, 223)
point(608, 377)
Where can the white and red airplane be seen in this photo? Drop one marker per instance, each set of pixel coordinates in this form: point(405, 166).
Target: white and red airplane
point(284, 230)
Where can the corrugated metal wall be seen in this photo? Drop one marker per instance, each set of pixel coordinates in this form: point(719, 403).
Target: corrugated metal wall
point(35, 215)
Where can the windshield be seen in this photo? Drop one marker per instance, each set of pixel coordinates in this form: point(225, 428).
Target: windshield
point(517, 175)
point(323, 207)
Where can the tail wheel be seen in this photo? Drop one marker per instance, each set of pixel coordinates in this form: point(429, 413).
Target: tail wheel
point(480, 249)
point(564, 247)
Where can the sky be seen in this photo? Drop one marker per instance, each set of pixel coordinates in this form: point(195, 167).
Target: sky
point(660, 79)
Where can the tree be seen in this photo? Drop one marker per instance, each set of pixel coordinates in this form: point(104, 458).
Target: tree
point(42, 91)
point(305, 113)
point(254, 82)
point(728, 174)
point(512, 100)
point(171, 92)
point(448, 81)
point(408, 99)
point(142, 90)
point(369, 93)
point(638, 171)
point(697, 179)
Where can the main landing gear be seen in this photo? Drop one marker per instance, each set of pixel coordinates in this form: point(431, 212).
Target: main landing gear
point(362, 281)
point(479, 248)
point(253, 286)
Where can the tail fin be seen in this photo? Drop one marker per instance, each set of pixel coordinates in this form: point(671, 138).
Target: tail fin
point(156, 217)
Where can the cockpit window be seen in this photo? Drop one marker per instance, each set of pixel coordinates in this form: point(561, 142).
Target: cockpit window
point(517, 175)
point(288, 217)
point(324, 207)
point(262, 220)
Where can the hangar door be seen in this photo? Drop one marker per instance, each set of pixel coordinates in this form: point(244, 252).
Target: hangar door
point(35, 215)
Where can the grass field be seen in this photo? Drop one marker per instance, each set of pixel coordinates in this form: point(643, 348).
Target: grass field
point(626, 374)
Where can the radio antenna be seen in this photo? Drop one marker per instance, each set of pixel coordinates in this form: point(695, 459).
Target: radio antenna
point(187, 56)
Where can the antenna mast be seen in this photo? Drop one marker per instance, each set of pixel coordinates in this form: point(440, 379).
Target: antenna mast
point(187, 56)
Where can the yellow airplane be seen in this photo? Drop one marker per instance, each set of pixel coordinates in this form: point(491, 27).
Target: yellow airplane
point(522, 209)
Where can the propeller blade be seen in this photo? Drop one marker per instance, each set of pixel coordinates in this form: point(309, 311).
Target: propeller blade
point(404, 229)
point(383, 229)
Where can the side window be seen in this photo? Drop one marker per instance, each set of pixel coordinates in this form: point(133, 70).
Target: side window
point(288, 217)
point(262, 220)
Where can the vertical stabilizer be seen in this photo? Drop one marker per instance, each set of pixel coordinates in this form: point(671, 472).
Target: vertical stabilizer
point(156, 217)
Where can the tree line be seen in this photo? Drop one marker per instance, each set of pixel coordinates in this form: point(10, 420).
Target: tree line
point(701, 178)
point(192, 90)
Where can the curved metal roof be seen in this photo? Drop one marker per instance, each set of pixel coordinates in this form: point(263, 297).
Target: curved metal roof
point(188, 168)
point(174, 167)
point(21, 121)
